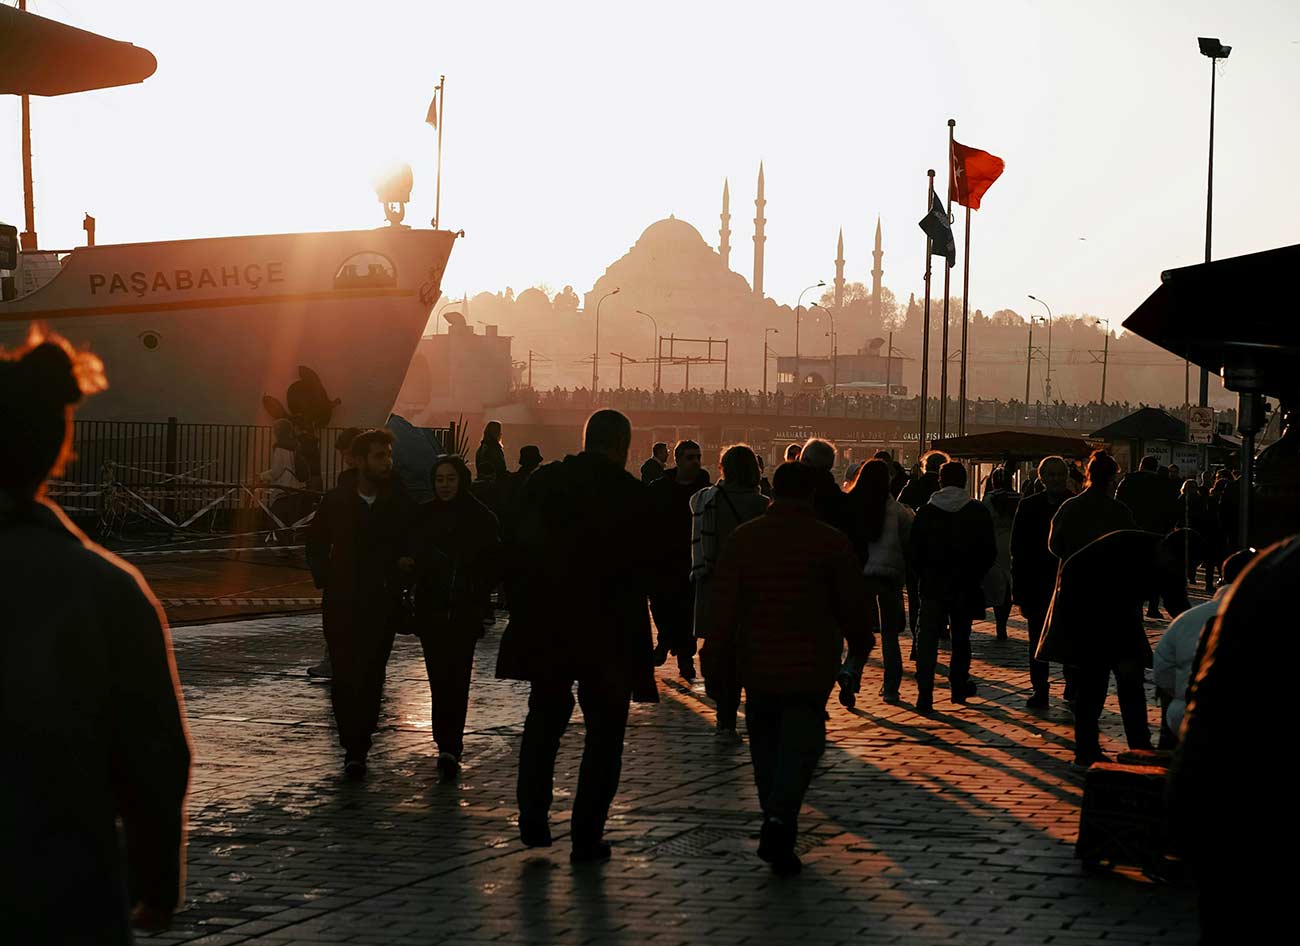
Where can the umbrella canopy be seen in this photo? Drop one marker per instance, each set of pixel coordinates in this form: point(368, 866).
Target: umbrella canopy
point(1225, 316)
point(1015, 443)
point(1146, 423)
point(44, 57)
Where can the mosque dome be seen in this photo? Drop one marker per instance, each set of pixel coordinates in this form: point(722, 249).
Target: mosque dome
point(671, 234)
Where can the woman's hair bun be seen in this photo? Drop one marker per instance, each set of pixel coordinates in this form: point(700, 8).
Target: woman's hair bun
point(50, 374)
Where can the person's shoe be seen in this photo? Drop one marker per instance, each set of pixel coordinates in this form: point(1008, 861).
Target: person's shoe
point(661, 654)
point(924, 705)
point(354, 768)
point(1037, 701)
point(892, 698)
point(448, 767)
point(848, 699)
point(727, 735)
point(534, 833)
point(964, 692)
point(1002, 634)
point(321, 671)
point(686, 667)
point(596, 853)
point(1084, 762)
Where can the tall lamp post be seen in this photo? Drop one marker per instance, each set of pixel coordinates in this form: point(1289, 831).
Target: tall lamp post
point(767, 332)
point(1048, 383)
point(656, 327)
point(834, 347)
point(1029, 363)
point(1214, 50)
point(1105, 356)
point(595, 352)
point(798, 372)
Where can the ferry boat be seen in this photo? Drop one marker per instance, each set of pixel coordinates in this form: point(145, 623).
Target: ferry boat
point(204, 330)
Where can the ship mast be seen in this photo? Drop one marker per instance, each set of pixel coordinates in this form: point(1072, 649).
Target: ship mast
point(28, 239)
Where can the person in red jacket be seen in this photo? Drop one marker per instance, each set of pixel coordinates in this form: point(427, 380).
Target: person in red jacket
point(787, 593)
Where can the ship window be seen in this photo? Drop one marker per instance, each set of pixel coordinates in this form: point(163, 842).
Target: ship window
point(366, 271)
point(150, 340)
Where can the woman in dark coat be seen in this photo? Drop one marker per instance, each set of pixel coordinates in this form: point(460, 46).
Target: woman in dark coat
point(457, 549)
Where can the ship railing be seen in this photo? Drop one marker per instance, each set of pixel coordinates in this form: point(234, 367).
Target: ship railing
point(189, 480)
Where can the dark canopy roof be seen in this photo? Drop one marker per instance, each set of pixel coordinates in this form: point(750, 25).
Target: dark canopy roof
point(45, 57)
point(1147, 423)
point(1226, 316)
point(1016, 443)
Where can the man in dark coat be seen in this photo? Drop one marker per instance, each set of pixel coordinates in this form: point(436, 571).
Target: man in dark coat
point(1152, 497)
point(1034, 567)
point(578, 570)
point(828, 499)
point(89, 701)
point(654, 467)
point(916, 493)
point(490, 458)
point(787, 593)
point(952, 546)
point(672, 599)
point(356, 545)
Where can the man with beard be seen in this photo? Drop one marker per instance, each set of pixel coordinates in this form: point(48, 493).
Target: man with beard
point(672, 602)
point(1033, 566)
point(577, 571)
point(356, 546)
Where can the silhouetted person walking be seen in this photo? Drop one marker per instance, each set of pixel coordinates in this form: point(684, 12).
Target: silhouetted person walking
point(457, 551)
point(1034, 567)
point(879, 527)
point(672, 599)
point(1152, 498)
point(490, 457)
point(1001, 501)
point(716, 512)
point(654, 467)
point(951, 547)
point(915, 494)
point(89, 700)
point(354, 545)
point(577, 575)
point(787, 594)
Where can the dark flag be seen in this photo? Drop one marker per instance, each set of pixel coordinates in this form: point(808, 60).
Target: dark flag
point(939, 229)
point(432, 116)
point(972, 173)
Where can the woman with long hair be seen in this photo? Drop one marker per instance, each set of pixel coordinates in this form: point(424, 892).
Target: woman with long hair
point(879, 528)
point(457, 549)
point(89, 700)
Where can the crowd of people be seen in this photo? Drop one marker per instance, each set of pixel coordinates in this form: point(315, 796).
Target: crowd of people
point(1087, 417)
point(788, 583)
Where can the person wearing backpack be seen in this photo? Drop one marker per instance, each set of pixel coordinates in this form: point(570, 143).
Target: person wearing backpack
point(715, 513)
point(879, 527)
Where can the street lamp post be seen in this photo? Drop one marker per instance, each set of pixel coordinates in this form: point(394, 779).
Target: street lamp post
point(1048, 384)
point(767, 332)
point(656, 327)
point(595, 352)
point(834, 348)
point(1029, 363)
point(1105, 357)
point(1214, 51)
point(798, 372)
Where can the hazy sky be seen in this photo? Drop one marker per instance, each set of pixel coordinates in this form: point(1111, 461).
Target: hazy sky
point(572, 126)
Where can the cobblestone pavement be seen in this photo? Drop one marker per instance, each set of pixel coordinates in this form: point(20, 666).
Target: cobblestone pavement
point(957, 828)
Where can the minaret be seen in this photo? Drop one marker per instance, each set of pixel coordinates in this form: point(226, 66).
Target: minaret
point(839, 272)
point(724, 246)
point(876, 273)
point(759, 238)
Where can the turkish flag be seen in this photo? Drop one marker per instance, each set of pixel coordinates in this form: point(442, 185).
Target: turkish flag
point(972, 173)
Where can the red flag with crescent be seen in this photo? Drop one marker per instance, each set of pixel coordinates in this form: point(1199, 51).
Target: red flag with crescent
point(972, 173)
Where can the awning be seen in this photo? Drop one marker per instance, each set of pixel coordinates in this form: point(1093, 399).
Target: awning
point(45, 57)
point(1225, 316)
point(1013, 444)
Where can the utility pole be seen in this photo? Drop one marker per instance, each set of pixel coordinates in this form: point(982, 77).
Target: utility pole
point(767, 332)
point(1105, 357)
point(28, 240)
point(1029, 363)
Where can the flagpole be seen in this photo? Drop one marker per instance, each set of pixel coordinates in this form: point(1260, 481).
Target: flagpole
point(947, 276)
point(965, 293)
point(925, 331)
point(442, 104)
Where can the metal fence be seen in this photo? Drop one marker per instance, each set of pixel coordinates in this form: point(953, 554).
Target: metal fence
point(193, 476)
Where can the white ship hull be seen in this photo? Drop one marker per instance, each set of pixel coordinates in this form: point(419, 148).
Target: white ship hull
point(201, 330)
